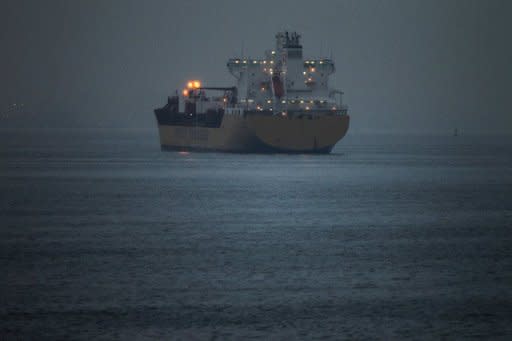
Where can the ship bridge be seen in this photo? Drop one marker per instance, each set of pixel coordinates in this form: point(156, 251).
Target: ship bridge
point(283, 81)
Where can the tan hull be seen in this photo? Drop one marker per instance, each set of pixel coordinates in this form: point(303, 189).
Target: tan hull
point(258, 133)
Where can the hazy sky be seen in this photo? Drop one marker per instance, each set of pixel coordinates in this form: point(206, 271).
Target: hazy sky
point(411, 66)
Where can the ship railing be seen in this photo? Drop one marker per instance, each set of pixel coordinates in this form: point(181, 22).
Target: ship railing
point(314, 113)
point(330, 110)
point(343, 108)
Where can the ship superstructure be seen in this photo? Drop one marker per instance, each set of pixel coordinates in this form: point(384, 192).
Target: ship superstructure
point(283, 81)
point(281, 103)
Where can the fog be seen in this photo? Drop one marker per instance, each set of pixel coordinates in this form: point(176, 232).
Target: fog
point(405, 66)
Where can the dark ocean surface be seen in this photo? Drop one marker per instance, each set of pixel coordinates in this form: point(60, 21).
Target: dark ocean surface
point(103, 236)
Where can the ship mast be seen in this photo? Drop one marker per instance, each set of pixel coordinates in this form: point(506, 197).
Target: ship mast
point(278, 74)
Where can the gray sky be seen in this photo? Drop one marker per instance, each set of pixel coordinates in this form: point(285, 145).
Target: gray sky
point(405, 66)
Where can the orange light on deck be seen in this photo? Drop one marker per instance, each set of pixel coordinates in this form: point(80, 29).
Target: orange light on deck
point(193, 84)
point(185, 92)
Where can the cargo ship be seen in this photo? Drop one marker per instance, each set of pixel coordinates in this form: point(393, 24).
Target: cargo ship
point(281, 103)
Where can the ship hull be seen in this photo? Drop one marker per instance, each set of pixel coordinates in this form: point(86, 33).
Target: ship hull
point(258, 134)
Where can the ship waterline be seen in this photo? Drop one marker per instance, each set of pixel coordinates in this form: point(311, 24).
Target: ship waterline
point(259, 134)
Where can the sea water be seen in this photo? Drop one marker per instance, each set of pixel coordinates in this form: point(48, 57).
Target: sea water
point(104, 236)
